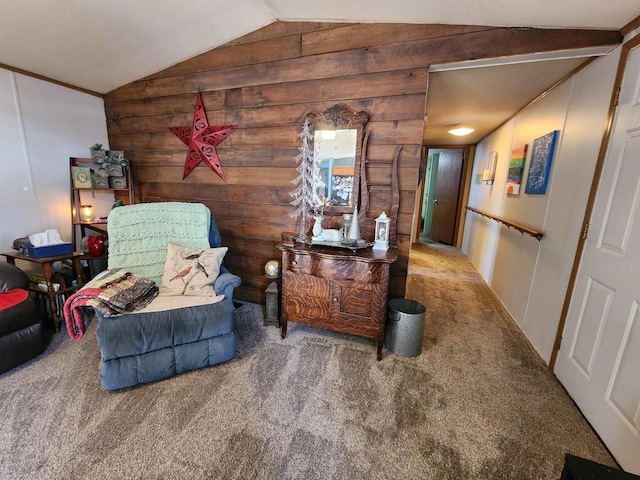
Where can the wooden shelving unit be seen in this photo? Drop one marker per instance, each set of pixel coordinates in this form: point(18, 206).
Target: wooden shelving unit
point(80, 227)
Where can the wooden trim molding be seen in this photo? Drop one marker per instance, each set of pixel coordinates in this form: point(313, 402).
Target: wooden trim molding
point(632, 25)
point(50, 80)
point(545, 93)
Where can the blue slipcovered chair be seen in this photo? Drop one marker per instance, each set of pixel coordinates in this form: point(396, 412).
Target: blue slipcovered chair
point(142, 347)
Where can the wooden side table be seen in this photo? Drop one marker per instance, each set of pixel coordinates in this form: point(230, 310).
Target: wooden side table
point(45, 264)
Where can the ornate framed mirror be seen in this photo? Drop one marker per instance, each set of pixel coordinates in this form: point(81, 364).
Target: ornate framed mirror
point(337, 150)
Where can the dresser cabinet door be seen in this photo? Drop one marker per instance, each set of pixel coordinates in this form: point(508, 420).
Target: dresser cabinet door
point(353, 298)
point(357, 304)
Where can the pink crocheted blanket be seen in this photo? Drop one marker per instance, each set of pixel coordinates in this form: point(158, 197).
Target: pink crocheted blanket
point(111, 293)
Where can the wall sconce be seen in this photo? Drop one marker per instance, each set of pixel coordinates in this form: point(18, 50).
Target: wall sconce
point(86, 213)
point(489, 170)
point(382, 232)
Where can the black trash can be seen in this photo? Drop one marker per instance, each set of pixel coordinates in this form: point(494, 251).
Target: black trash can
point(405, 327)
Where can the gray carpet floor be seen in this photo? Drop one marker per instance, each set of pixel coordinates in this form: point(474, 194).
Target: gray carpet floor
point(477, 403)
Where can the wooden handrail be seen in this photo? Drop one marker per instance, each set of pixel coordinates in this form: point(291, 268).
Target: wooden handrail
point(521, 228)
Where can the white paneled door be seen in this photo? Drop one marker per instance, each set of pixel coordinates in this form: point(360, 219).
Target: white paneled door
point(599, 359)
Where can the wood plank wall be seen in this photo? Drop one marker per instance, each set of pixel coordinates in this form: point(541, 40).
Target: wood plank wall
point(266, 82)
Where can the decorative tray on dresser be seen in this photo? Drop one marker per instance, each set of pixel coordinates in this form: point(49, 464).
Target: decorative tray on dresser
point(340, 290)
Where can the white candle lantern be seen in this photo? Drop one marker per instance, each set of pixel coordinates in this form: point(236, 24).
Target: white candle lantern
point(382, 232)
point(272, 294)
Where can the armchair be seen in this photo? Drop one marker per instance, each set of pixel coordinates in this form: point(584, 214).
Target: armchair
point(174, 334)
point(22, 336)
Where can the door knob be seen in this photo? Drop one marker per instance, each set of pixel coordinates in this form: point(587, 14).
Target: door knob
point(435, 201)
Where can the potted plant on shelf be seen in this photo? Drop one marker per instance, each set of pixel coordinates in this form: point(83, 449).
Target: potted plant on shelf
point(98, 154)
point(115, 165)
point(101, 178)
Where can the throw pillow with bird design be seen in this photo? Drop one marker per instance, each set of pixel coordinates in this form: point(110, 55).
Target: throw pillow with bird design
point(191, 271)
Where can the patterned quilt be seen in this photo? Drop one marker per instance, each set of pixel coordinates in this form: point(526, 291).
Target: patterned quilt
point(113, 292)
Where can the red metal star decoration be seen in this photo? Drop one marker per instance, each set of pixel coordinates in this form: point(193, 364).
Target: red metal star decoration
point(202, 141)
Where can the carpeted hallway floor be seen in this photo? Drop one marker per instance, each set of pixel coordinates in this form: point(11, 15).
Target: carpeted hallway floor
point(477, 404)
point(477, 351)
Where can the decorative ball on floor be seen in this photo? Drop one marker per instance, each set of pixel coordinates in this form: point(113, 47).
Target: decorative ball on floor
point(272, 269)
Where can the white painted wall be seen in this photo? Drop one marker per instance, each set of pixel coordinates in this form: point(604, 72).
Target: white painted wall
point(531, 277)
point(41, 126)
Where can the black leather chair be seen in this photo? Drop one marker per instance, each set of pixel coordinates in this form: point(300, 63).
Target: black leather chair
point(22, 333)
point(576, 468)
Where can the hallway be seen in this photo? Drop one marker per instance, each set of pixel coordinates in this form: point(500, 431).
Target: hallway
point(514, 407)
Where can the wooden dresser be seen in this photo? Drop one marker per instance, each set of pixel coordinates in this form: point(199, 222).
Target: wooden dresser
point(336, 289)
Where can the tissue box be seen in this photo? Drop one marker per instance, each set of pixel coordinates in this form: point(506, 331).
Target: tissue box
point(48, 250)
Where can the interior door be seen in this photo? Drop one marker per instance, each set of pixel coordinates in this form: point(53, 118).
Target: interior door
point(599, 358)
point(447, 192)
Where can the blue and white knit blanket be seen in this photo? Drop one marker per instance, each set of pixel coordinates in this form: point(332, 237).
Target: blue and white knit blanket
point(139, 234)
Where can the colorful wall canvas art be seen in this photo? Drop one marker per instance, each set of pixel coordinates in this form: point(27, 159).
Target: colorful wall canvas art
point(540, 164)
point(516, 169)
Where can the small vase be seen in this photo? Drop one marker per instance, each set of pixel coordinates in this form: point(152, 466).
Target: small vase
point(354, 228)
point(96, 245)
point(345, 224)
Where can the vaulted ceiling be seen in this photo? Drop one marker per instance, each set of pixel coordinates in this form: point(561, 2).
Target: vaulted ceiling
point(101, 45)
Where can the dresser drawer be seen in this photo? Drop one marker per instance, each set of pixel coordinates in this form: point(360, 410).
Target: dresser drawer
point(297, 263)
point(363, 272)
point(306, 285)
point(306, 297)
point(309, 310)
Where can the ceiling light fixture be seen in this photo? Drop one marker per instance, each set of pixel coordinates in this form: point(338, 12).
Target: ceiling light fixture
point(461, 131)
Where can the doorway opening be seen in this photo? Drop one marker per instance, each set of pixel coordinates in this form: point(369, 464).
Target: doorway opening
point(441, 195)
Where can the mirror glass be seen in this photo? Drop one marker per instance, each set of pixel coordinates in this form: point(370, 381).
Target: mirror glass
point(335, 154)
point(337, 144)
